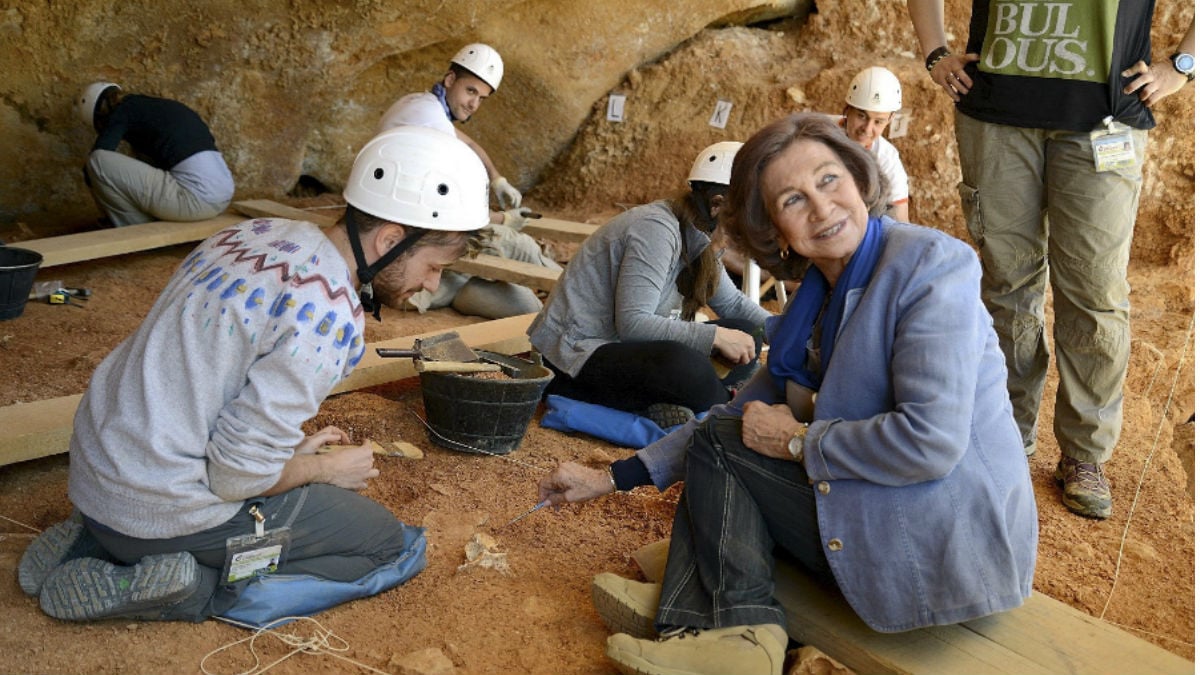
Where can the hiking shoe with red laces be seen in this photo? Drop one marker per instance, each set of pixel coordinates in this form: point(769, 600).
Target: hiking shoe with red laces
point(1085, 489)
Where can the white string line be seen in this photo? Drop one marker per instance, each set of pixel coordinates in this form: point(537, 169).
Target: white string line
point(319, 643)
point(17, 522)
point(1162, 420)
point(1151, 633)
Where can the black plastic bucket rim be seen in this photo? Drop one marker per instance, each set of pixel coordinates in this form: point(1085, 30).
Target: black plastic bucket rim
point(18, 269)
point(31, 259)
point(483, 416)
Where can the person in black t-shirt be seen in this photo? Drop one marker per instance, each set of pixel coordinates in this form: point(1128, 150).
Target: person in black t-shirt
point(1053, 111)
point(173, 170)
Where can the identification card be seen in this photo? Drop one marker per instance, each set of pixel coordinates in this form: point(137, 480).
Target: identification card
point(1112, 148)
point(250, 555)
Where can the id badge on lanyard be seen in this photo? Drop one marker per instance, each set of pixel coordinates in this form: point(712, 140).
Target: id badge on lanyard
point(1112, 146)
point(250, 555)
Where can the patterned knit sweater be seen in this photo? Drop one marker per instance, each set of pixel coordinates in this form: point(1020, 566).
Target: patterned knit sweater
point(200, 408)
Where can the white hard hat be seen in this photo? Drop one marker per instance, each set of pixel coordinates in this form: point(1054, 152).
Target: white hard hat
point(715, 163)
point(874, 89)
point(420, 177)
point(482, 60)
point(88, 99)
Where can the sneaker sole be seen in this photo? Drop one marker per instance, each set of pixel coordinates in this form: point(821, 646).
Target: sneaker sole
point(667, 415)
point(1097, 513)
point(621, 615)
point(86, 589)
point(59, 543)
point(1080, 509)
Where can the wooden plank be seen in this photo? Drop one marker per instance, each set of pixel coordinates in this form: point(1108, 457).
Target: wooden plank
point(486, 266)
point(36, 429)
point(1041, 636)
point(545, 228)
point(265, 208)
point(504, 336)
point(503, 269)
point(1066, 640)
point(43, 428)
point(560, 230)
point(71, 248)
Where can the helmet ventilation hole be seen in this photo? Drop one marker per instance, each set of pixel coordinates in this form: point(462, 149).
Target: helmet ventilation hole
point(378, 174)
point(443, 189)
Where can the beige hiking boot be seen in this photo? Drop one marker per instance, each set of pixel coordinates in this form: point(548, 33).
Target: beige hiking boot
point(625, 605)
point(737, 650)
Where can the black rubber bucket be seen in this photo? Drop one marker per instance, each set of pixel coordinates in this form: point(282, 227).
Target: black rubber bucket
point(18, 267)
point(471, 413)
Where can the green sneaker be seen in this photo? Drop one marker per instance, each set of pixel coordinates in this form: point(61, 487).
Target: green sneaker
point(738, 650)
point(626, 606)
point(1085, 489)
point(88, 588)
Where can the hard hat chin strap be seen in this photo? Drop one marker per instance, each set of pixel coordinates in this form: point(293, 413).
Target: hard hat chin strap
point(701, 202)
point(366, 273)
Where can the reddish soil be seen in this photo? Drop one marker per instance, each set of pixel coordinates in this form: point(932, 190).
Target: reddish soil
point(538, 617)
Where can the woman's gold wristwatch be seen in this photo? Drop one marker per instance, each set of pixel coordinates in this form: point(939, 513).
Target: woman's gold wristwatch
point(796, 443)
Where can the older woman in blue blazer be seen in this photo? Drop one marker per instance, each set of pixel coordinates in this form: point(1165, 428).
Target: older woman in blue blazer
point(878, 446)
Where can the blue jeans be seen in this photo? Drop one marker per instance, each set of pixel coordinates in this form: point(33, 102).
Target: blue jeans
point(737, 507)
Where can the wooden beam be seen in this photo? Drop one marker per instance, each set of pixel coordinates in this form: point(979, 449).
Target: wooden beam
point(503, 269)
point(545, 228)
point(265, 208)
point(560, 230)
point(43, 428)
point(504, 336)
point(1043, 636)
point(71, 248)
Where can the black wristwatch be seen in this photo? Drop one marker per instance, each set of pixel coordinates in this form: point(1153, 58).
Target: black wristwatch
point(1185, 64)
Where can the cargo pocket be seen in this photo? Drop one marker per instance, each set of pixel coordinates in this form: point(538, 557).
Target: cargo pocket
point(970, 206)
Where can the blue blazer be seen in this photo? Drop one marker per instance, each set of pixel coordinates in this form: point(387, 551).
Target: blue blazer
point(924, 500)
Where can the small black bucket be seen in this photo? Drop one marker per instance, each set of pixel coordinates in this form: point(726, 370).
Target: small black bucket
point(18, 267)
point(470, 413)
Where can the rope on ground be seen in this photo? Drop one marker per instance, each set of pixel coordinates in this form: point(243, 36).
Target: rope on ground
point(323, 641)
point(17, 522)
point(1134, 629)
point(1162, 421)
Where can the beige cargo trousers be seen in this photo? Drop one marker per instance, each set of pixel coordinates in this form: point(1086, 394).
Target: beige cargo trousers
point(1039, 211)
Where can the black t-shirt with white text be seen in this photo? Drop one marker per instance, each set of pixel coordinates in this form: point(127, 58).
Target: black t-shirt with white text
point(1057, 65)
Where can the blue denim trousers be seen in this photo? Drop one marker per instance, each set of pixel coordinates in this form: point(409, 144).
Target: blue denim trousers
point(737, 508)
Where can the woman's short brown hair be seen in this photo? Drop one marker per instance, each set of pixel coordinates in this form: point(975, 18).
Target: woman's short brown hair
point(744, 215)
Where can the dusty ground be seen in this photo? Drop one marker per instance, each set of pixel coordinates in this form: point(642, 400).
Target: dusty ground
point(538, 618)
point(1135, 570)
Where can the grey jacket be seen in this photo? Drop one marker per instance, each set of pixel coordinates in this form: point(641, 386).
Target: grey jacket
point(620, 287)
point(924, 499)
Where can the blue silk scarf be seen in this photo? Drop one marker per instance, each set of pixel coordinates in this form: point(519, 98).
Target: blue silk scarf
point(788, 358)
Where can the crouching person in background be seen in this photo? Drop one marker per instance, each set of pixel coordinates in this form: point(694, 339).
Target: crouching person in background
point(196, 492)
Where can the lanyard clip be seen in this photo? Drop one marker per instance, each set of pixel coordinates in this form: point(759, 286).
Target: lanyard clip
point(259, 519)
point(1108, 122)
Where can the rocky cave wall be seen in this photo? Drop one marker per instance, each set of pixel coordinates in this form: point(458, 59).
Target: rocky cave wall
point(805, 64)
point(293, 87)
